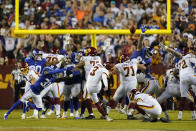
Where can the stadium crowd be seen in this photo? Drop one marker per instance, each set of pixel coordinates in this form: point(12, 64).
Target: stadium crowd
point(102, 14)
point(91, 14)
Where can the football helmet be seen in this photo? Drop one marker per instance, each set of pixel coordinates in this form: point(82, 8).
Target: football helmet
point(37, 54)
point(123, 58)
point(90, 51)
point(133, 93)
point(148, 53)
point(46, 70)
point(108, 65)
point(24, 68)
point(55, 51)
point(93, 51)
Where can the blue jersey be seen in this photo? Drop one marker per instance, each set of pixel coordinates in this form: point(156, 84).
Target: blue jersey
point(141, 57)
point(45, 79)
point(176, 60)
point(36, 65)
point(76, 75)
point(73, 57)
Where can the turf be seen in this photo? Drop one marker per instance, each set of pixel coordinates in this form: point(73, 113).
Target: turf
point(120, 123)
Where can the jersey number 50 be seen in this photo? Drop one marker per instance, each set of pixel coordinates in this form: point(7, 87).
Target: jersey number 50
point(127, 69)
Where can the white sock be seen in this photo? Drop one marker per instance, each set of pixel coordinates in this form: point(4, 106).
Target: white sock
point(35, 112)
point(58, 108)
point(125, 106)
point(180, 112)
point(193, 113)
point(91, 114)
point(130, 111)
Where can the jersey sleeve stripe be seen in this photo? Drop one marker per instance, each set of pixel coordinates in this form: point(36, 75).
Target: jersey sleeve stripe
point(146, 107)
point(145, 89)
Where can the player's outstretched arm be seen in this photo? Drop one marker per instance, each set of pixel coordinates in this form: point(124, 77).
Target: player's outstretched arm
point(141, 67)
point(79, 65)
point(105, 81)
point(56, 71)
point(115, 70)
point(166, 48)
point(139, 45)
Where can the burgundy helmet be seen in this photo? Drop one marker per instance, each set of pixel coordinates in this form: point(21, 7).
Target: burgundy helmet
point(24, 65)
point(133, 92)
point(92, 51)
point(55, 51)
point(124, 58)
point(108, 65)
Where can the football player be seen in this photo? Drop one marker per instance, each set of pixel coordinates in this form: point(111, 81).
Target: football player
point(127, 70)
point(31, 76)
point(72, 85)
point(87, 62)
point(186, 66)
point(93, 85)
point(146, 105)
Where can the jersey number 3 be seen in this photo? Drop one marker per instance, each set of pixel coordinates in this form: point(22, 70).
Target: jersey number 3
point(92, 73)
point(127, 69)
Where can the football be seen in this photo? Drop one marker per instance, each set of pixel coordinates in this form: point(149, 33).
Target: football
point(132, 29)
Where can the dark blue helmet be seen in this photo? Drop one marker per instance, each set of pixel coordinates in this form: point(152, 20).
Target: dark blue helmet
point(36, 52)
point(46, 70)
point(148, 53)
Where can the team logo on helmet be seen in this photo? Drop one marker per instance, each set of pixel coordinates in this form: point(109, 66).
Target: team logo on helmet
point(24, 68)
point(123, 58)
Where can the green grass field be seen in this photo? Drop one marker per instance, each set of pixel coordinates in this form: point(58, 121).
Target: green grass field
point(120, 123)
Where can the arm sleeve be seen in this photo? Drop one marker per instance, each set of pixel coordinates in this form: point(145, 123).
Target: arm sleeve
point(105, 80)
point(56, 71)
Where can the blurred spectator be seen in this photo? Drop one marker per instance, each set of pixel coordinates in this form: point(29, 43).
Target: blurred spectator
point(92, 14)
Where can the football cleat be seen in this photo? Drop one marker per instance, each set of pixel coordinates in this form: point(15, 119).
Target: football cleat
point(90, 117)
point(64, 115)
point(76, 115)
point(33, 117)
point(23, 116)
point(118, 107)
point(131, 117)
point(164, 120)
point(43, 116)
point(58, 116)
point(146, 120)
point(124, 110)
point(108, 119)
point(50, 112)
point(82, 116)
point(5, 116)
point(71, 115)
point(154, 120)
point(193, 116)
